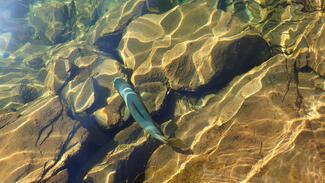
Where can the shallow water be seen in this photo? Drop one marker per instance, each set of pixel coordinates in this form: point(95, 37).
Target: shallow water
point(240, 84)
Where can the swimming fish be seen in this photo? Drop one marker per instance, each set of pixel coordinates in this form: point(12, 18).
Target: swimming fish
point(142, 117)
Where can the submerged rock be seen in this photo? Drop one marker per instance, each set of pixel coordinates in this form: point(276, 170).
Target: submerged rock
point(156, 6)
point(311, 50)
point(242, 85)
point(87, 12)
point(256, 124)
point(44, 138)
point(51, 21)
point(107, 31)
point(19, 82)
point(240, 133)
point(64, 62)
point(91, 91)
point(186, 52)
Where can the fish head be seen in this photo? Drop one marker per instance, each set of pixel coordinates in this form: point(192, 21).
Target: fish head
point(119, 83)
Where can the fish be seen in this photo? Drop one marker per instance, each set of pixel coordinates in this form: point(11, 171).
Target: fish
point(141, 115)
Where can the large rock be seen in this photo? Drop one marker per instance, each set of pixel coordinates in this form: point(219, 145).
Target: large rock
point(311, 51)
point(301, 40)
point(122, 154)
point(21, 77)
point(51, 21)
point(248, 130)
point(157, 6)
point(64, 63)
point(92, 92)
point(312, 5)
point(243, 132)
point(84, 77)
point(32, 56)
point(86, 12)
point(308, 5)
point(189, 47)
point(37, 141)
point(107, 31)
point(14, 93)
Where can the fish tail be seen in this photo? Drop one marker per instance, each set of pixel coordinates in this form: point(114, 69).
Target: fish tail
point(179, 146)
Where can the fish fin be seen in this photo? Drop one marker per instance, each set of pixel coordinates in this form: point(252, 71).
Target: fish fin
point(179, 146)
point(167, 128)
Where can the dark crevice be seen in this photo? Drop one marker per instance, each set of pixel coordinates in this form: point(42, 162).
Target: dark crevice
point(6, 124)
point(305, 69)
point(89, 155)
point(45, 170)
point(7, 120)
point(289, 78)
point(293, 76)
point(101, 93)
point(100, 141)
point(47, 135)
point(132, 170)
point(210, 88)
point(50, 124)
point(74, 71)
point(166, 111)
point(63, 149)
point(299, 97)
point(109, 43)
point(143, 153)
point(241, 56)
point(157, 6)
point(93, 150)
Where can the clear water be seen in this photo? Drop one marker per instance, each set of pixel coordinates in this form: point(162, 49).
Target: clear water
point(162, 91)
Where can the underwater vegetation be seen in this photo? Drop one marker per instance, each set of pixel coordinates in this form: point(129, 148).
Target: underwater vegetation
point(162, 91)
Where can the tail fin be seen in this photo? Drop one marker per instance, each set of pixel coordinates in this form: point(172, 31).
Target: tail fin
point(179, 146)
